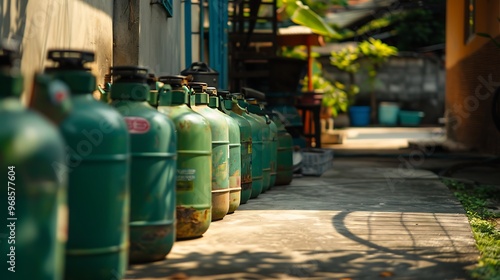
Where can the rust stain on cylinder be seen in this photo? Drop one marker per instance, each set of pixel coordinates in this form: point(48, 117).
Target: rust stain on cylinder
point(141, 250)
point(234, 191)
point(246, 186)
point(192, 222)
point(221, 199)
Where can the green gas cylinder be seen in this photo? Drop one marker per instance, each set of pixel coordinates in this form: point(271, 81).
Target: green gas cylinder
point(269, 154)
point(258, 109)
point(257, 149)
point(104, 89)
point(234, 152)
point(274, 152)
point(245, 129)
point(153, 84)
point(194, 158)
point(98, 164)
point(153, 148)
point(220, 150)
point(284, 163)
point(253, 109)
point(33, 196)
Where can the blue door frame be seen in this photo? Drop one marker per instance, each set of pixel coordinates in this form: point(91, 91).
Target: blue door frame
point(217, 33)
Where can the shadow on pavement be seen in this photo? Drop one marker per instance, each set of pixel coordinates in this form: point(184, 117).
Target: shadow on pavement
point(391, 194)
point(372, 223)
point(374, 263)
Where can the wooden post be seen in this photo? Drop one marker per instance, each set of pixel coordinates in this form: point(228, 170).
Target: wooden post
point(309, 64)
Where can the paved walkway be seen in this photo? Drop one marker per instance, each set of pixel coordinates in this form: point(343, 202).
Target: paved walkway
point(351, 223)
point(382, 138)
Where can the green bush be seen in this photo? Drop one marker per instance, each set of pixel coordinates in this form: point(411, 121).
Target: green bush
point(483, 223)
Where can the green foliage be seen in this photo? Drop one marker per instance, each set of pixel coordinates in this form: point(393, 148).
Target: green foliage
point(322, 6)
point(483, 223)
point(413, 29)
point(336, 95)
point(376, 51)
point(375, 24)
point(344, 34)
point(346, 59)
point(486, 35)
point(299, 52)
point(340, 34)
point(373, 51)
point(418, 28)
point(301, 14)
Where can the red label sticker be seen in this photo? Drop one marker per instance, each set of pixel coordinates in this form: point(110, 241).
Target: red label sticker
point(58, 93)
point(137, 125)
point(60, 96)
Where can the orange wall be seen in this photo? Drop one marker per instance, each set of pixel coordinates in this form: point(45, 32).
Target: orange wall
point(487, 12)
point(472, 75)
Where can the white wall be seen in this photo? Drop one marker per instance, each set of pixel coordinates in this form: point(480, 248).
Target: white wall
point(160, 38)
point(142, 32)
point(143, 35)
point(40, 25)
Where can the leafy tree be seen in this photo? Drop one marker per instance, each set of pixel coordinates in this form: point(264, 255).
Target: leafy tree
point(415, 24)
point(419, 28)
point(322, 6)
point(336, 96)
point(375, 53)
point(346, 60)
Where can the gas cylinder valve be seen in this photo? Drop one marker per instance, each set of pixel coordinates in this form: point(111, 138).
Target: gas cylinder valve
point(128, 74)
point(70, 59)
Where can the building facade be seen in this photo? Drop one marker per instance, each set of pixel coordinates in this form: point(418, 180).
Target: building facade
point(472, 73)
point(119, 32)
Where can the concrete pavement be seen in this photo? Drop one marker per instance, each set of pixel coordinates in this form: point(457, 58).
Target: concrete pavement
point(371, 221)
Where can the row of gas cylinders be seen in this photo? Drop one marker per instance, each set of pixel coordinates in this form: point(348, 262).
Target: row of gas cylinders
point(100, 185)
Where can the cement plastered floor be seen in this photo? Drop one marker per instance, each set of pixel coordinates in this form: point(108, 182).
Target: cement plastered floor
point(354, 222)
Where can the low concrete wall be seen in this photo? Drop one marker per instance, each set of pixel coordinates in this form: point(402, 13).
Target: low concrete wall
point(415, 82)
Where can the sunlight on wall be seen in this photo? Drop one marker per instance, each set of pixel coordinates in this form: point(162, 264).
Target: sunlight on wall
point(43, 25)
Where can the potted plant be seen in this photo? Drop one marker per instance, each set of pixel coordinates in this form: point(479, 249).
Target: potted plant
point(347, 60)
point(374, 54)
point(335, 97)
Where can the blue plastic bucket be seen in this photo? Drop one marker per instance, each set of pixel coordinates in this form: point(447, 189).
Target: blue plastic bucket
point(410, 118)
point(388, 113)
point(360, 115)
